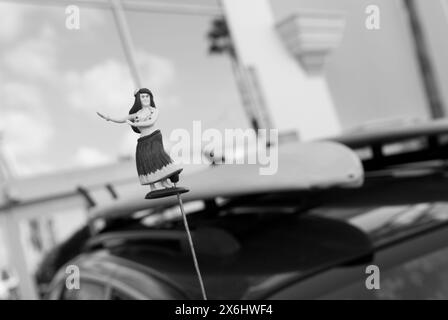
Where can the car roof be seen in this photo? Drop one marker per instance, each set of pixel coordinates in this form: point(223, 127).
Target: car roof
point(301, 166)
point(240, 251)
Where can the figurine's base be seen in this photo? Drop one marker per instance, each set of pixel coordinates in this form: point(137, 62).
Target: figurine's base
point(167, 192)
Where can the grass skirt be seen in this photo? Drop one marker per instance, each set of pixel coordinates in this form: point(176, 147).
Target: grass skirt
point(153, 163)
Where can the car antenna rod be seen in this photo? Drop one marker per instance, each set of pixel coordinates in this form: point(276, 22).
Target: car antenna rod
point(190, 240)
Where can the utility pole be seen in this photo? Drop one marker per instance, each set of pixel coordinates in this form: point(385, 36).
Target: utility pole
point(424, 62)
point(126, 41)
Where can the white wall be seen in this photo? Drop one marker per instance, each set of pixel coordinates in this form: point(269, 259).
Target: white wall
point(373, 74)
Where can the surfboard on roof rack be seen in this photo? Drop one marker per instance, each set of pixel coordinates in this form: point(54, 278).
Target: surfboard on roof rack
point(301, 167)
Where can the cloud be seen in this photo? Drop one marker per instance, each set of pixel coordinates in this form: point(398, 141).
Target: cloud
point(25, 122)
point(128, 144)
point(29, 66)
point(156, 71)
point(22, 97)
point(108, 86)
point(87, 157)
point(25, 126)
point(100, 88)
point(11, 17)
point(26, 138)
point(33, 58)
point(24, 134)
point(14, 16)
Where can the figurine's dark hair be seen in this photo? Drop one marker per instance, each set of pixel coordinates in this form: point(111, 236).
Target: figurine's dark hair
point(138, 104)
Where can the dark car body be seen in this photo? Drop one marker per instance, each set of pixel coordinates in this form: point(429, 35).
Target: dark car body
point(285, 244)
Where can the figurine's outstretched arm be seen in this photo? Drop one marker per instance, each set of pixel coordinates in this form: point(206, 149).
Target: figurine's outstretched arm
point(146, 123)
point(122, 120)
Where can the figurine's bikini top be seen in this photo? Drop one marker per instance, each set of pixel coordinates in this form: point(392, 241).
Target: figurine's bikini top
point(144, 114)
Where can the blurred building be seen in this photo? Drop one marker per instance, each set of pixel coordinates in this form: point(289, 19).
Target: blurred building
point(396, 71)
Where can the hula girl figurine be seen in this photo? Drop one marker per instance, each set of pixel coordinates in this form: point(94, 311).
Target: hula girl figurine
point(154, 165)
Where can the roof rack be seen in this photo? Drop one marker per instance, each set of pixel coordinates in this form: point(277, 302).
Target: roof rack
point(387, 147)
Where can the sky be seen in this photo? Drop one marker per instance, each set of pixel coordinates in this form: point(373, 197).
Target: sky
point(53, 80)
